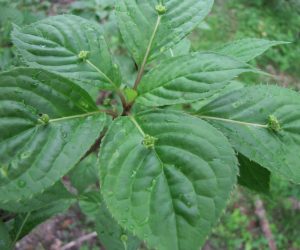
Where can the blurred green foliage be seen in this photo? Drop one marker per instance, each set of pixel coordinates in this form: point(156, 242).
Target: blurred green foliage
point(270, 19)
point(16, 12)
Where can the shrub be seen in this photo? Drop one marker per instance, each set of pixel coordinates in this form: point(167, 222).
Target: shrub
point(171, 143)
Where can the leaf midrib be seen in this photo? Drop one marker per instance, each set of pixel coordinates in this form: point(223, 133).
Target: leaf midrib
point(242, 70)
point(133, 120)
point(257, 125)
point(97, 70)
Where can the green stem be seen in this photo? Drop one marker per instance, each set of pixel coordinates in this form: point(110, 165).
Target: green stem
point(21, 228)
point(137, 125)
point(82, 115)
point(125, 245)
point(233, 121)
point(172, 53)
point(101, 73)
point(142, 69)
point(119, 92)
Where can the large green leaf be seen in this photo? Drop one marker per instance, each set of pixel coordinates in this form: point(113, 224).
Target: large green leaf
point(85, 173)
point(110, 233)
point(5, 241)
point(24, 223)
point(248, 48)
point(253, 176)
point(188, 78)
point(140, 23)
point(166, 177)
point(56, 193)
point(231, 86)
point(55, 44)
point(263, 124)
point(47, 123)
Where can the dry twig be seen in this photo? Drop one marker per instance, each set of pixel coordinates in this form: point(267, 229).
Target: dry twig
point(264, 223)
point(79, 241)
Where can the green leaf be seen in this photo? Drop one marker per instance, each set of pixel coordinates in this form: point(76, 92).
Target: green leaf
point(188, 78)
point(130, 94)
point(166, 177)
point(5, 241)
point(11, 15)
point(182, 48)
point(248, 48)
point(85, 173)
point(57, 192)
point(253, 176)
point(58, 44)
point(263, 124)
point(231, 86)
point(112, 235)
point(47, 123)
point(24, 223)
point(144, 29)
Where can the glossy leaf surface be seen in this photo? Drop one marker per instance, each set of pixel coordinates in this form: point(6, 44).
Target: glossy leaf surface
point(47, 123)
point(188, 78)
point(248, 48)
point(253, 176)
point(139, 23)
point(263, 124)
point(166, 177)
point(110, 233)
point(56, 44)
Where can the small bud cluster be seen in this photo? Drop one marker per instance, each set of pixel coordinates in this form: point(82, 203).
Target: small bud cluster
point(273, 123)
point(149, 141)
point(161, 9)
point(44, 119)
point(83, 55)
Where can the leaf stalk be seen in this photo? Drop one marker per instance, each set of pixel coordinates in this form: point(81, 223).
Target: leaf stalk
point(142, 69)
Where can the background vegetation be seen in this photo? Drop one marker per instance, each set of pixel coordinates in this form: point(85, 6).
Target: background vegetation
point(241, 226)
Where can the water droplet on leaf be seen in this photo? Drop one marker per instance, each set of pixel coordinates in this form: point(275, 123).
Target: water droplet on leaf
point(22, 184)
point(25, 155)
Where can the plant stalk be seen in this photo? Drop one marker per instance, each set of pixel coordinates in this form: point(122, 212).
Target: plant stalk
point(142, 69)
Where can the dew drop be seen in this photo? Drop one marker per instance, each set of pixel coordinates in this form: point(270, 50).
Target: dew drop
point(162, 49)
point(84, 104)
point(21, 183)
point(25, 155)
point(133, 174)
